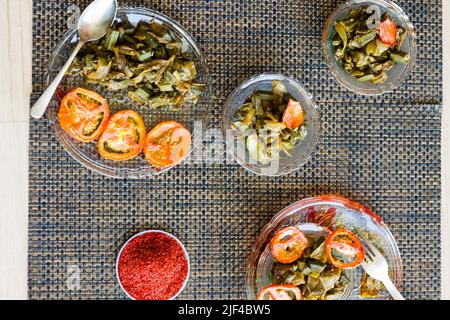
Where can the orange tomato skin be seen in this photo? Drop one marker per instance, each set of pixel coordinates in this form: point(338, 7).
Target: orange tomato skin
point(288, 244)
point(352, 247)
point(293, 116)
point(74, 122)
point(388, 32)
point(118, 128)
point(167, 144)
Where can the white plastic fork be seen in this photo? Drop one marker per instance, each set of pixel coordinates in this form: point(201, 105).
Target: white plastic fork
point(376, 267)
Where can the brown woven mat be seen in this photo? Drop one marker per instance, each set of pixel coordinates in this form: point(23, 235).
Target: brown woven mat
point(383, 152)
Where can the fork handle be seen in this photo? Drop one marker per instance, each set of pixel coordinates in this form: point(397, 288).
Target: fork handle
point(393, 291)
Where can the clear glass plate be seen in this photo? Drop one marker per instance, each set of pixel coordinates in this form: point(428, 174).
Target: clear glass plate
point(349, 215)
point(188, 115)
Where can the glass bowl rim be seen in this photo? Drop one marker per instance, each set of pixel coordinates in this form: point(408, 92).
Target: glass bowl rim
point(253, 81)
point(65, 141)
point(391, 7)
point(186, 254)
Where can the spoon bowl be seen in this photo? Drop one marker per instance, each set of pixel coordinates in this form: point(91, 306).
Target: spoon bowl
point(96, 18)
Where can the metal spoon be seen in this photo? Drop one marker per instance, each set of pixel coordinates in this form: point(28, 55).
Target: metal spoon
point(92, 25)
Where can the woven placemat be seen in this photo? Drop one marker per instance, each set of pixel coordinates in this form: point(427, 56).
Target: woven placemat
point(381, 151)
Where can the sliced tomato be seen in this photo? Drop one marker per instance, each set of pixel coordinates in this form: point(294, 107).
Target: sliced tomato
point(280, 292)
point(293, 116)
point(387, 31)
point(83, 114)
point(288, 244)
point(167, 144)
point(124, 136)
point(343, 249)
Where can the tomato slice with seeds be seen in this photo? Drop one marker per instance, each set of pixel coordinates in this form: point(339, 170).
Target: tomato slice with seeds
point(167, 144)
point(123, 138)
point(387, 31)
point(343, 249)
point(293, 116)
point(280, 292)
point(288, 244)
point(83, 114)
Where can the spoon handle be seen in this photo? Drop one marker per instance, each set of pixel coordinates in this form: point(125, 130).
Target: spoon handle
point(40, 106)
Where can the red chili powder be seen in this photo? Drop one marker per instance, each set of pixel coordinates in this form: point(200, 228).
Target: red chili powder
point(153, 266)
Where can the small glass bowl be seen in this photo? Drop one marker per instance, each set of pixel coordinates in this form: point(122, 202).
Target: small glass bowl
point(146, 232)
point(86, 153)
point(397, 75)
point(302, 151)
point(348, 215)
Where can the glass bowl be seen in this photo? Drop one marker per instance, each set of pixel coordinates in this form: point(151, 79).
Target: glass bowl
point(302, 151)
point(188, 115)
point(349, 215)
point(397, 75)
point(153, 231)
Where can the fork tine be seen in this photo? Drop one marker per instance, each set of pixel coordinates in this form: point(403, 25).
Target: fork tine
point(369, 249)
point(361, 236)
point(366, 260)
point(373, 248)
point(367, 252)
point(366, 248)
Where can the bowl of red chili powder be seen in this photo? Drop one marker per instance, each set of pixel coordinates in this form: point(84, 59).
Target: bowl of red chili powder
point(153, 265)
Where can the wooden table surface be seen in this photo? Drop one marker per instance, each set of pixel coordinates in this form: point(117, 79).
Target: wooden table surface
point(15, 89)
